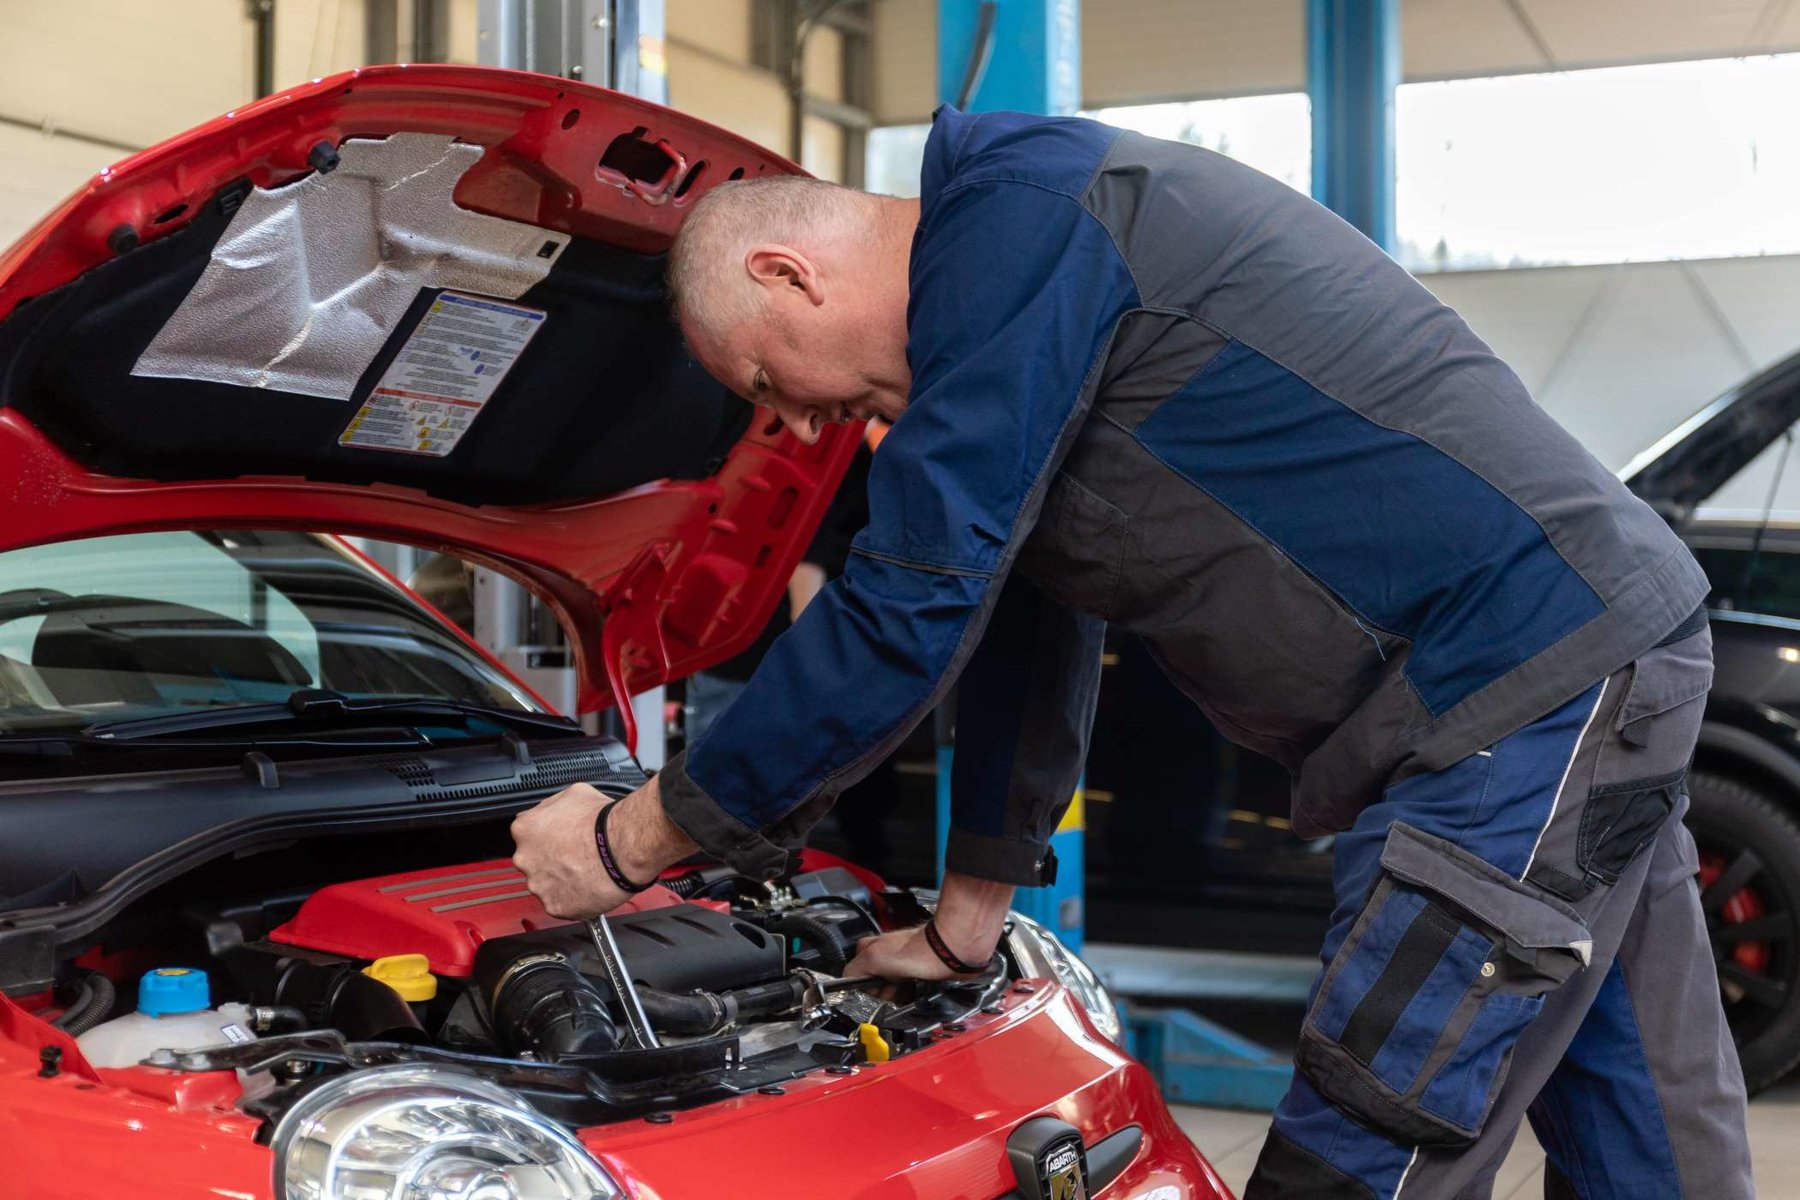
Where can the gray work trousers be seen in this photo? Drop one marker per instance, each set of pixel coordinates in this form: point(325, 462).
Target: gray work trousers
point(1520, 936)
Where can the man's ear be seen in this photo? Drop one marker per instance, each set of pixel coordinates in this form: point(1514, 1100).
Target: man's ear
point(779, 267)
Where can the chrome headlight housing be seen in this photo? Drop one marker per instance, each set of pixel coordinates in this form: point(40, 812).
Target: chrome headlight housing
point(1041, 953)
point(424, 1133)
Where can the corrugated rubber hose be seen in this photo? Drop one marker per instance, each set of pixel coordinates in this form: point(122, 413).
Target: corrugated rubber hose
point(833, 944)
point(93, 1001)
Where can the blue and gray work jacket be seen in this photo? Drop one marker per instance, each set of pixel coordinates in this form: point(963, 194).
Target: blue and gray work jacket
point(1154, 387)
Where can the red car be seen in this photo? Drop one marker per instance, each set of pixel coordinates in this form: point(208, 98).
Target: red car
point(258, 931)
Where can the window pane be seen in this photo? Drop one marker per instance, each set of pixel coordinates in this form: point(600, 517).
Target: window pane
point(1271, 133)
point(1773, 580)
point(895, 154)
point(1674, 160)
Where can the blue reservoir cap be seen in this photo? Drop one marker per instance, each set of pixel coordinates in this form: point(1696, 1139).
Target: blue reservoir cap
point(168, 991)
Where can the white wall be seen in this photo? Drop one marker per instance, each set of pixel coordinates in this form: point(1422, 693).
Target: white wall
point(711, 76)
point(1621, 354)
point(37, 171)
point(93, 80)
point(129, 74)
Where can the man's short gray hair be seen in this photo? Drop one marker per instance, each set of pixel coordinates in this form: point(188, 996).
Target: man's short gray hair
point(707, 284)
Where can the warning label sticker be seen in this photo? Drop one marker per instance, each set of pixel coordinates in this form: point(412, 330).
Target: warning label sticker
point(436, 386)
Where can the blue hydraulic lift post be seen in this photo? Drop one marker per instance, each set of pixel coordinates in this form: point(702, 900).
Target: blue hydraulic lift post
point(1352, 71)
point(1033, 63)
point(1018, 56)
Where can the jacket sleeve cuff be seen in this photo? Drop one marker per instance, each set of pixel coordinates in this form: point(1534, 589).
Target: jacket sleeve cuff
point(1002, 860)
point(714, 830)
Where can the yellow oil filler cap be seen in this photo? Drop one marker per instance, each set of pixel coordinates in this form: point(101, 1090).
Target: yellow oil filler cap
point(873, 1044)
point(408, 974)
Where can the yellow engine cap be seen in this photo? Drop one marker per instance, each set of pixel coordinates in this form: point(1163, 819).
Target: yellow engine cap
point(874, 1045)
point(408, 974)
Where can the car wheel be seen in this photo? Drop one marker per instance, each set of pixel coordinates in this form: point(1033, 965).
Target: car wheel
point(1750, 892)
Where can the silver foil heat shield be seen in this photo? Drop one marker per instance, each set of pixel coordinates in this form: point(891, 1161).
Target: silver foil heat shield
point(310, 279)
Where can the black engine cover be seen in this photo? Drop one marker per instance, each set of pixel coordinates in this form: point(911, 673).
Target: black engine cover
point(677, 949)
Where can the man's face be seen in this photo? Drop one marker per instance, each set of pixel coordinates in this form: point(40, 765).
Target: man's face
point(814, 356)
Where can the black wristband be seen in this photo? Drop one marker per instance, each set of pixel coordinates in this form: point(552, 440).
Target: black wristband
point(607, 860)
point(945, 955)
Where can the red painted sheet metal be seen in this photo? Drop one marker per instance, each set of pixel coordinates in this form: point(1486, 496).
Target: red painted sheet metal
point(443, 913)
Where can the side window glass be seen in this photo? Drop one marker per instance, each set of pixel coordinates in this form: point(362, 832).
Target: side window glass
point(1773, 585)
point(1725, 571)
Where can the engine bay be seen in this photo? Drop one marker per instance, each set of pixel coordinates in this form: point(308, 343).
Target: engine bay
point(738, 984)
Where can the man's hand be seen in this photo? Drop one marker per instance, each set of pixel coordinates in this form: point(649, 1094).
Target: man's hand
point(901, 954)
point(556, 849)
point(971, 915)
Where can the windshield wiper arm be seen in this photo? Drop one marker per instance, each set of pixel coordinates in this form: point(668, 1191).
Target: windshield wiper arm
point(319, 706)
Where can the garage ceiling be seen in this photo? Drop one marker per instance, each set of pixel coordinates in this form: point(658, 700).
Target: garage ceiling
point(1139, 51)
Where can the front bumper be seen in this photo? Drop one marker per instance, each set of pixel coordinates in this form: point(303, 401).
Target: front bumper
point(933, 1123)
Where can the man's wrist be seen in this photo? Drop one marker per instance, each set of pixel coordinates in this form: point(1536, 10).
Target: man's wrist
point(642, 838)
point(971, 915)
point(609, 858)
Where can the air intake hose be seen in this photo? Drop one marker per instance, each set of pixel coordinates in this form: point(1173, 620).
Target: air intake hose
point(339, 996)
point(541, 1004)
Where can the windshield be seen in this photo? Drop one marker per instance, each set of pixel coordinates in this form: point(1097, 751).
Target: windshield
point(144, 625)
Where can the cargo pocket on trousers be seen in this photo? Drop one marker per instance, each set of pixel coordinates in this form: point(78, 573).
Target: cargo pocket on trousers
point(1621, 819)
point(1414, 1023)
point(1638, 776)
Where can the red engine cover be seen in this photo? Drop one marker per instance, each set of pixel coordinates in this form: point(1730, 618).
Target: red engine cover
point(442, 913)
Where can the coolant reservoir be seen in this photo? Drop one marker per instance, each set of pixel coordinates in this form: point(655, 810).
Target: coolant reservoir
point(174, 1013)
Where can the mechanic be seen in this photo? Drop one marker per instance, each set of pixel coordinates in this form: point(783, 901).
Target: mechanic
point(1145, 384)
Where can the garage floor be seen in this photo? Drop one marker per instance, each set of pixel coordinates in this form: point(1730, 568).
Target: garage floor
point(1231, 1141)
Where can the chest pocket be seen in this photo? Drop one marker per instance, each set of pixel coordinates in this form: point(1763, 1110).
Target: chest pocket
point(1077, 549)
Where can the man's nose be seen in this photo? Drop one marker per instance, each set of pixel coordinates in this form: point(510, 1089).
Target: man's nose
point(804, 424)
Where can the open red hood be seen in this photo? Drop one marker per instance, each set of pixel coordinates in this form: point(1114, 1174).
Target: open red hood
point(295, 316)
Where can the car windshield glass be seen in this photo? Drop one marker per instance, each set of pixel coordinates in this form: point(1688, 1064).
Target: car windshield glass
point(143, 625)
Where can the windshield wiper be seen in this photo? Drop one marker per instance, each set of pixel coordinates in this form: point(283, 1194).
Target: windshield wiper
point(328, 709)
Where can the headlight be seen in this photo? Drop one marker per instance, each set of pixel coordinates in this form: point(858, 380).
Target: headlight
point(1041, 953)
point(422, 1133)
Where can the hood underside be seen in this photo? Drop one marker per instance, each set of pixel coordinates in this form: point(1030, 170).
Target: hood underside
point(1698, 457)
point(421, 304)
